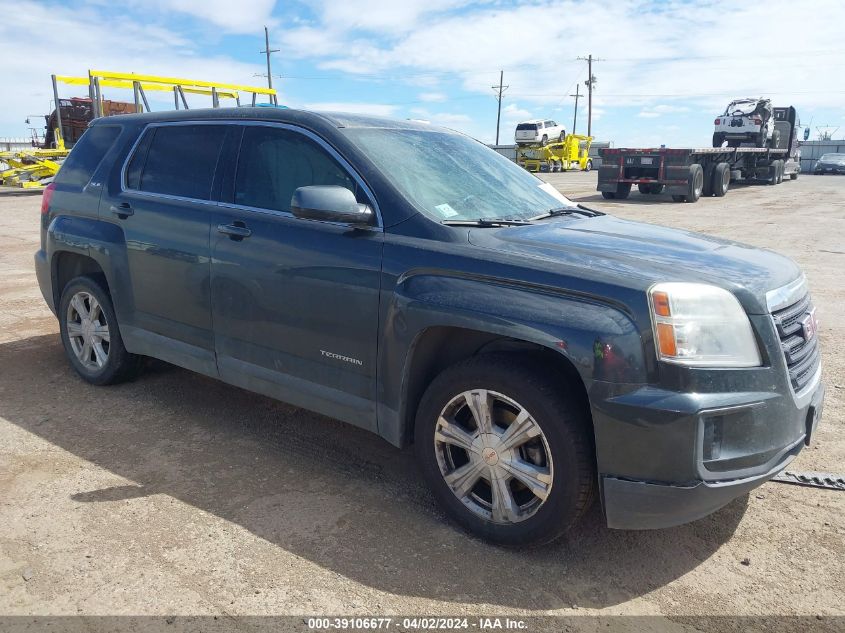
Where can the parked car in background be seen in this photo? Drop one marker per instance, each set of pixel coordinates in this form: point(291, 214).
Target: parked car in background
point(410, 281)
point(830, 164)
point(538, 131)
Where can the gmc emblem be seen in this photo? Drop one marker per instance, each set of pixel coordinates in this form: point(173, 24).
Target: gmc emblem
point(809, 325)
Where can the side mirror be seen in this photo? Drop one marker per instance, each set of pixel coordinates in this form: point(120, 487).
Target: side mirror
point(329, 203)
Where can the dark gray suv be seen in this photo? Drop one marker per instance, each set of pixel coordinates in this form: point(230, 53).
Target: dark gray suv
point(409, 280)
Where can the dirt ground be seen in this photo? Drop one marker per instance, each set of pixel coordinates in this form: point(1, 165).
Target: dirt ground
point(179, 494)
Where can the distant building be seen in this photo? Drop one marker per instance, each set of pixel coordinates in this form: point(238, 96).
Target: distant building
point(811, 151)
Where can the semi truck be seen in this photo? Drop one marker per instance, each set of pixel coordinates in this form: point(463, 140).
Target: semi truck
point(690, 173)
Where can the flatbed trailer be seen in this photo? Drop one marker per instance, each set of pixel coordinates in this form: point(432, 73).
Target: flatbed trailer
point(690, 173)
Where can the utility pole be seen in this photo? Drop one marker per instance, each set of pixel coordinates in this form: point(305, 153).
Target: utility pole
point(267, 50)
point(577, 96)
point(500, 89)
point(590, 83)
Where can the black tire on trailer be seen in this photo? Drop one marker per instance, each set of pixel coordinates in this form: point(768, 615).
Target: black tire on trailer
point(718, 139)
point(588, 166)
point(781, 168)
point(793, 176)
point(561, 137)
point(608, 195)
point(707, 189)
point(772, 176)
point(695, 183)
point(775, 139)
point(761, 140)
point(720, 179)
point(678, 198)
point(545, 140)
point(623, 189)
point(644, 187)
point(656, 188)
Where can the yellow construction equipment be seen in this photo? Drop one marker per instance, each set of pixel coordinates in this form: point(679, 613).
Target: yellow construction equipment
point(36, 167)
point(573, 153)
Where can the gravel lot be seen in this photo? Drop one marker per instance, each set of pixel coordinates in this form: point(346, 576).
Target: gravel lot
point(179, 494)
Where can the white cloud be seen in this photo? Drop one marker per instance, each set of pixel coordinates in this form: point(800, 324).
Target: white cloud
point(376, 109)
point(432, 96)
point(242, 16)
point(120, 44)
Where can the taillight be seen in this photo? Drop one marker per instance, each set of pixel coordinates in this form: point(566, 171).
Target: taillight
point(717, 122)
point(47, 197)
point(758, 121)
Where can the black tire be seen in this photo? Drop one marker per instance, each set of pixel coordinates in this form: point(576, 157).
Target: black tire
point(761, 140)
point(656, 188)
point(544, 140)
point(781, 167)
point(623, 189)
point(695, 183)
point(588, 166)
point(678, 198)
point(772, 176)
point(775, 142)
point(561, 137)
point(718, 139)
point(564, 422)
point(793, 176)
point(119, 364)
point(707, 182)
point(644, 187)
point(608, 195)
point(720, 180)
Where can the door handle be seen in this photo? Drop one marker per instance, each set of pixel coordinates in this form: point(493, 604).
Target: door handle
point(123, 210)
point(236, 231)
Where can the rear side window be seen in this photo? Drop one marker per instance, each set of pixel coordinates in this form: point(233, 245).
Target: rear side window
point(86, 155)
point(274, 162)
point(176, 160)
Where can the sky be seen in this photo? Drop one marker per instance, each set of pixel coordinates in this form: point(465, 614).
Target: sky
point(665, 69)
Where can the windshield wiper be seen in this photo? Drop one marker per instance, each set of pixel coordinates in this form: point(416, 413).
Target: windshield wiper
point(576, 210)
point(486, 222)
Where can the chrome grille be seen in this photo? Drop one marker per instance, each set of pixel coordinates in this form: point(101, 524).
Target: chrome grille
point(800, 352)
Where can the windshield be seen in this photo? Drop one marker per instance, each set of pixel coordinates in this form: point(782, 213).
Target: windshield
point(452, 177)
point(532, 127)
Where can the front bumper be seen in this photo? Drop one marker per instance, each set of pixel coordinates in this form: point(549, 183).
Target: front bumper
point(661, 436)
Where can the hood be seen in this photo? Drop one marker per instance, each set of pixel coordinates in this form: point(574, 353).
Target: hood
point(637, 255)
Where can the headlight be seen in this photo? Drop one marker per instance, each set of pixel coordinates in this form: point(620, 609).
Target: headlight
point(701, 326)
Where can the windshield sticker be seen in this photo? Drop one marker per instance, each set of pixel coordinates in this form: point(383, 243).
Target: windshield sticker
point(446, 211)
point(549, 189)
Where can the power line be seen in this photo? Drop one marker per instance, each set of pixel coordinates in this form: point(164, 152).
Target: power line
point(577, 96)
point(501, 90)
point(591, 82)
point(267, 51)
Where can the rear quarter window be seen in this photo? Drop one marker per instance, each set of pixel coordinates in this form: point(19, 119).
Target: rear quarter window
point(86, 155)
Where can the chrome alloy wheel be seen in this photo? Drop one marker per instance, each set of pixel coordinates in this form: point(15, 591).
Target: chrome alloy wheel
point(88, 330)
point(493, 456)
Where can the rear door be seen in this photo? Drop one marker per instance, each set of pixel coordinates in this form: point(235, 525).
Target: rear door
point(163, 207)
point(295, 302)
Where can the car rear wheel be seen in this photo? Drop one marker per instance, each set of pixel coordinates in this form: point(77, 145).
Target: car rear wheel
point(90, 335)
point(544, 140)
point(561, 137)
point(588, 166)
point(506, 451)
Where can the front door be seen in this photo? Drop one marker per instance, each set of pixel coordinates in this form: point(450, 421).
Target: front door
point(295, 302)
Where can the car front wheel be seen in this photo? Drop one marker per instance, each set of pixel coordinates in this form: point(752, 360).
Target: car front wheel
point(506, 450)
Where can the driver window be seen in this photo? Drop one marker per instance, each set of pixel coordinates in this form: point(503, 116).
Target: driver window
point(274, 162)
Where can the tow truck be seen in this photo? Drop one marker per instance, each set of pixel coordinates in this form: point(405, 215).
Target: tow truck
point(573, 153)
point(690, 173)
